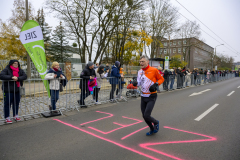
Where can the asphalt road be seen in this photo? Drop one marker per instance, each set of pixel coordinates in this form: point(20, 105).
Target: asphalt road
point(204, 126)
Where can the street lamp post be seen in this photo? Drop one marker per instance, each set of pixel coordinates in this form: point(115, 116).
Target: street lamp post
point(216, 52)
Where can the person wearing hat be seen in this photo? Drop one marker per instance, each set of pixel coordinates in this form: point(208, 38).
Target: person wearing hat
point(87, 74)
point(13, 77)
point(114, 79)
point(100, 75)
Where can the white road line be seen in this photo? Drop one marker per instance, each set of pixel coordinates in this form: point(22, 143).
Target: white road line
point(230, 93)
point(206, 112)
point(238, 86)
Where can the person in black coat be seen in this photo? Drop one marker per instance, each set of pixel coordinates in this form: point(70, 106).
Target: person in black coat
point(87, 74)
point(166, 80)
point(13, 77)
point(115, 79)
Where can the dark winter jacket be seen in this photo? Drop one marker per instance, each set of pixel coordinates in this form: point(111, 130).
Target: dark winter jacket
point(85, 76)
point(195, 73)
point(213, 73)
point(7, 74)
point(166, 74)
point(205, 73)
point(115, 75)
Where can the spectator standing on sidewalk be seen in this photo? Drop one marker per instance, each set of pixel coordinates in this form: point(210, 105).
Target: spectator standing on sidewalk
point(114, 79)
point(13, 77)
point(100, 75)
point(179, 78)
point(200, 76)
point(121, 84)
point(166, 80)
point(195, 74)
point(54, 75)
point(87, 74)
point(172, 75)
point(213, 75)
point(205, 76)
point(188, 77)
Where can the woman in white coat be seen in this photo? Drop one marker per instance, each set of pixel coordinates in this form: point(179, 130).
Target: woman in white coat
point(54, 75)
point(188, 77)
point(100, 75)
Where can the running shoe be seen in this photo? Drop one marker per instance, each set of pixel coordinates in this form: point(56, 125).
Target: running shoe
point(149, 133)
point(8, 120)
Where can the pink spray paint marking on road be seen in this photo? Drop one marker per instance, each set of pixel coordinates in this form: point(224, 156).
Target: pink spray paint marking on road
point(123, 126)
point(145, 145)
point(133, 133)
point(108, 140)
point(111, 115)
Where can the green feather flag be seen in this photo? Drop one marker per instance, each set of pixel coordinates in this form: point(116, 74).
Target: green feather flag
point(32, 39)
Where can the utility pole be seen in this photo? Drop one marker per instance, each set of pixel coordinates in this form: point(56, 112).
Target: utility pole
point(28, 57)
point(214, 55)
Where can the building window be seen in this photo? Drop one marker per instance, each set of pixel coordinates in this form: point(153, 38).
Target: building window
point(165, 43)
point(179, 42)
point(165, 51)
point(170, 43)
point(174, 50)
point(170, 51)
point(184, 50)
point(161, 50)
point(184, 42)
point(179, 50)
point(174, 43)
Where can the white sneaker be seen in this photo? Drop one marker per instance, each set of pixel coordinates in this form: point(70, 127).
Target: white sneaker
point(93, 101)
point(98, 103)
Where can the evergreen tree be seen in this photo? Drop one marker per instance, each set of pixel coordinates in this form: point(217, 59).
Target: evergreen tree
point(59, 48)
point(46, 30)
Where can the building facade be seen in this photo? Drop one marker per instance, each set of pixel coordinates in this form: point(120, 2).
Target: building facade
point(193, 51)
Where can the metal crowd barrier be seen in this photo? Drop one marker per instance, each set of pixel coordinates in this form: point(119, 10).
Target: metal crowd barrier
point(173, 82)
point(35, 100)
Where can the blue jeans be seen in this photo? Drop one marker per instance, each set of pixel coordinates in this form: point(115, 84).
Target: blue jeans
point(54, 98)
point(171, 84)
point(11, 99)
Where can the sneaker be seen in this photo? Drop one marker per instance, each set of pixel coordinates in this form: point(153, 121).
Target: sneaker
point(50, 107)
point(93, 101)
point(111, 100)
point(8, 120)
point(149, 133)
point(156, 127)
point(17, 118)
point(84, 106)
point(98, 103)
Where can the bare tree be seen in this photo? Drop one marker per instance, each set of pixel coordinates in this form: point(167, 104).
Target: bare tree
point(163, 21)
point(187, 32)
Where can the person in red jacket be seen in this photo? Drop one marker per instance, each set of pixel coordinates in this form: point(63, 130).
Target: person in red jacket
point(148, 78)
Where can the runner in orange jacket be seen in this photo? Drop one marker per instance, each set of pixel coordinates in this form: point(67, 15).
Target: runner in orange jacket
point(148, 78)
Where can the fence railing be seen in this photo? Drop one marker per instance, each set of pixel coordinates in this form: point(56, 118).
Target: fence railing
point(32, 99)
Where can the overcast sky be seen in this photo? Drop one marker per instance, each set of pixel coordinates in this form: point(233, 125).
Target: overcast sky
point(221, 16)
